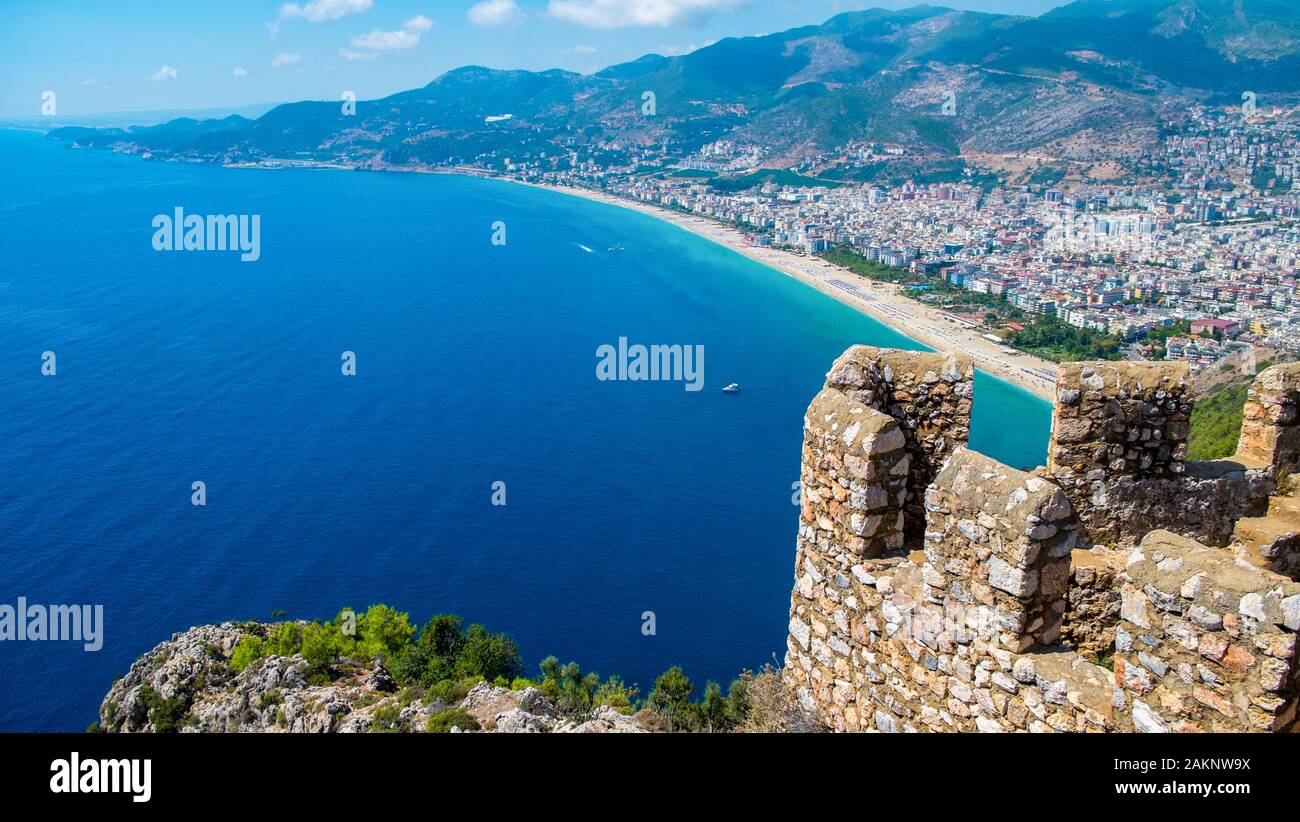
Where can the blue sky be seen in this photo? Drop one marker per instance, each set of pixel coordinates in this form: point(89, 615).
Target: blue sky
point(103, 56)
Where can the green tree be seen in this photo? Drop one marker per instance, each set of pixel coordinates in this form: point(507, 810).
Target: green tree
point(567, 686)
point(249, 649)
point(671, 697)
point(432, 657)
point(322, 643)
point(286, 639)
point(713, 710)
point(617, 695)
point(488, 655)
point(381, 631)
point(738, 695)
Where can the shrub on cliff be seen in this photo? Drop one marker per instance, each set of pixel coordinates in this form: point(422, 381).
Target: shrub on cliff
point(762, 704)
point(616, 695)
point(440, 663)
point(387, 720)
point(444, 652)
point(285, 640)
point(380, 632)
point(754, 703)
point(452, 691)
point(443, 721)
point(249, 649)
point(490, 656)
point(167, 715)
point(577, 693)
point(671, 698)
point(567, 686)
point(322, 643)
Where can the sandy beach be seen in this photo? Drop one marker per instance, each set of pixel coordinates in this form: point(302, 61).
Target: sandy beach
point(881, 301)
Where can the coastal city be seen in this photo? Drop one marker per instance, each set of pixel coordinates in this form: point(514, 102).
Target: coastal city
point(1195, 257)
point(356, 384)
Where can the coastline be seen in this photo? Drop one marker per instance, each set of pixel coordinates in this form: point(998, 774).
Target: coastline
point(883, 302)
point(880, 301)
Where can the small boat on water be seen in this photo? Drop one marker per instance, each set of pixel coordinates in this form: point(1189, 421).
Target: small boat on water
point(734, 388)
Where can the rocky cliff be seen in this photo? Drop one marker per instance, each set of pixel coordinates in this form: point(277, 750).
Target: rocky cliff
point(188, 684)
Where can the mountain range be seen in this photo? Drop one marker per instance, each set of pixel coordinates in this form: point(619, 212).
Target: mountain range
point(1089, 82)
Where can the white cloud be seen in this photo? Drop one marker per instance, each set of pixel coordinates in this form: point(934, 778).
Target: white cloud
point(404, 38)
point(585, 49)
point(613, 14)
point(91, 81)
point(318, 11)
point(240, 72)
point(349, 54)
point(386, 40)
point(165, 72)
point(285, 58)
point(496, 13)
point(418, 23)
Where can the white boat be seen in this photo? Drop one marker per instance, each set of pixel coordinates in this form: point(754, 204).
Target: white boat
point(734, 388)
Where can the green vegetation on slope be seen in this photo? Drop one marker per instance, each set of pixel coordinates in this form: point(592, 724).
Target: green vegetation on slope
point(1216, 423)
point(443, 660)
point(1216, 419)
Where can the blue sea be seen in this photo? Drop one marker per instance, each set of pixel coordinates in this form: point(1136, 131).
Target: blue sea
point(475, 365)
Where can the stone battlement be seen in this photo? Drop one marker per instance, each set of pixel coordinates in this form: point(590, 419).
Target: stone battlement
point(1117, 419)
point(1119, 449)
point(937, 589)
point(929, 396)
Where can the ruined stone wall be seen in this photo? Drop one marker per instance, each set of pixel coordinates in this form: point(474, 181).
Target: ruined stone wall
point(853, 481)
point(1093, 601)
point(983, 629)
point(999, 541)
point(1270, 430)
point(1117, 419)
point(1205, 644)
point(950, 639)
point(928, 394)
point(1119, 446)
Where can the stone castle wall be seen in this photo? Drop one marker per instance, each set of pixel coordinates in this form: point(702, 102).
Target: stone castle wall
point(853, 479)
point(928, 394)
point(981, 629)
point(1093, 602)
point(1119, 449)
point(1119, 419)
point(952, 639)
point(1205, 644)
point(1270, 430)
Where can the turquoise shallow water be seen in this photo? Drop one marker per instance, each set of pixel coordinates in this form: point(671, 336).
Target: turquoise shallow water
point(476, 364)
